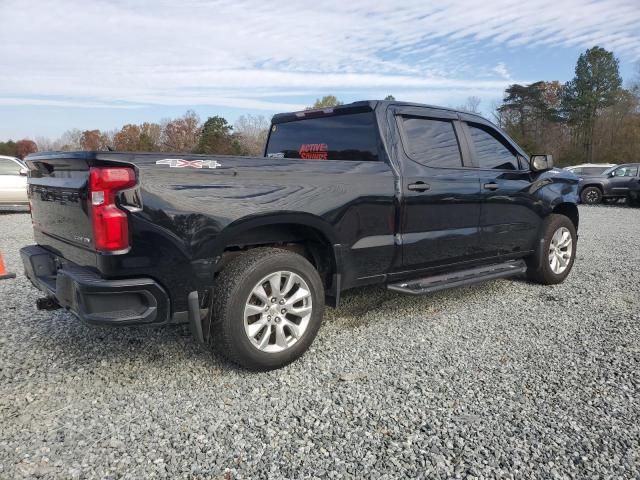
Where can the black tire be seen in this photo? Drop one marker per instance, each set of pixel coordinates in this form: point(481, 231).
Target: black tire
point(591, 196)
point(231, 291)
point(538, 266)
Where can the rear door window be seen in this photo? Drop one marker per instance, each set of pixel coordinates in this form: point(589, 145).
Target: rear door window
point(351, 136)
point(432, 142)
point(9, 167)
point(593, 170)
point(490, 150)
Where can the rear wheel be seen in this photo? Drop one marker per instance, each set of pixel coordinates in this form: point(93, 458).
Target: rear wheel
point(554, 260)
point(591, 196)
point(267, 308)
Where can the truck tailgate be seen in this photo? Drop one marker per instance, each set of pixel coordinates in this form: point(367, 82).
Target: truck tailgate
point(58, 195)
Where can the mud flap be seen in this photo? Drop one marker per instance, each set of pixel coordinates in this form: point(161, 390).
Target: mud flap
point(195, 317)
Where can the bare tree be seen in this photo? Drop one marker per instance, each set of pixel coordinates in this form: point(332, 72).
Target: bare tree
point(45, 144)
point(70, 140)
point(252, 131)
point(109, 138)
point(496, 113)
point(635, 83)
point(471, 105)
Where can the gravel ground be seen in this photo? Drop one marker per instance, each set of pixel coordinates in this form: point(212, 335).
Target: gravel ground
point(506, 379)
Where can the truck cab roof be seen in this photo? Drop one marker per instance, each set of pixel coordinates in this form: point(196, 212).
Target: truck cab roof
point(360, 105)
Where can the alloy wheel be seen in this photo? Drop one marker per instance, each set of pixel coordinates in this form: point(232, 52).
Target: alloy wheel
point(592, 196)
point(277, 311)
point(560, 250)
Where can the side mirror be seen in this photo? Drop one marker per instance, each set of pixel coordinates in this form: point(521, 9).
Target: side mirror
point(24, 172)
point(540, 163)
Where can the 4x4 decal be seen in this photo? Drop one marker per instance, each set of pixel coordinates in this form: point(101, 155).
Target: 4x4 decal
point(181, 163)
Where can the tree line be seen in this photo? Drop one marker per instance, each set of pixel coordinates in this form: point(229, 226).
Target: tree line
point(591, 118)
point(185, 134)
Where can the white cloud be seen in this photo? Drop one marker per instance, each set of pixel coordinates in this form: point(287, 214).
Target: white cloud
point(253, 53)
point(48, 102)
point(501, 70)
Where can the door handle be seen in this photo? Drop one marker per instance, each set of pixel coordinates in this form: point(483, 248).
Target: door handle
point(419, 187)
point(491, 186)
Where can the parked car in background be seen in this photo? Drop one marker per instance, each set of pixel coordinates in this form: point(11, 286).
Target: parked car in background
point(590, 168)
point(13, 184)
point(622, 181)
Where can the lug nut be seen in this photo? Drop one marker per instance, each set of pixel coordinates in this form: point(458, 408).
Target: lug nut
point(277, 319)
point(273, 300)
point(283, 311)
point(282, 302)
point(269, 317)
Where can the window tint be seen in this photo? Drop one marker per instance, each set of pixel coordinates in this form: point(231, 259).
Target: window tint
point(490, 151)
point(337, 137)
point(626, 171)
point(594, 170)
point(432, 142)
point(9, 167)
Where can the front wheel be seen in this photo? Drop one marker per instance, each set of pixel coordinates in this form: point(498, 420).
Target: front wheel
point(591, 196)
point(554, 259)
point(267, 308)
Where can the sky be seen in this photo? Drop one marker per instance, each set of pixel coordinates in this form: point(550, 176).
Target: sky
point(104, 63)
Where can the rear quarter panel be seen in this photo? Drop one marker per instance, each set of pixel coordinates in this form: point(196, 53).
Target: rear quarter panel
point(189, 214)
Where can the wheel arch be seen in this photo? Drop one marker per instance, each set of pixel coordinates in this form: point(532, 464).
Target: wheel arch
point(569, 210)
point(308, 235)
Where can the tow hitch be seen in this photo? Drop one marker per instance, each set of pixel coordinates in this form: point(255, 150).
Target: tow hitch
point(47, 303)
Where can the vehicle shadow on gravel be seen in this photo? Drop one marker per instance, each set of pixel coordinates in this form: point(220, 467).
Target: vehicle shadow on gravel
point(368, 305)
point(71, 343)
point(69, 340)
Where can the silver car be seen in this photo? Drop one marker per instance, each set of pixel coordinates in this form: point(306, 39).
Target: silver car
point(13, 184)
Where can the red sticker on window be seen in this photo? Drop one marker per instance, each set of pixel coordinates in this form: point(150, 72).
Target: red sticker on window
point(314, 151)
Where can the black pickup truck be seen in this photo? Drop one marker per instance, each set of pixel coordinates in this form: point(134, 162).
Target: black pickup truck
point(249, 249)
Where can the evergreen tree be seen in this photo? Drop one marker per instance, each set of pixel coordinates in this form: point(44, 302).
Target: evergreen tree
point(595, 86)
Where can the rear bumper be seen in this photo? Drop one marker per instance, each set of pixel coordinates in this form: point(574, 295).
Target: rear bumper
point(132, 301)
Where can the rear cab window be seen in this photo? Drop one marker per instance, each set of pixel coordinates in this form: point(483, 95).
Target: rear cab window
point(340, 136)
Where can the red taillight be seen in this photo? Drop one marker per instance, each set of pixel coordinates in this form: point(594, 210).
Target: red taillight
point(110, 224)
